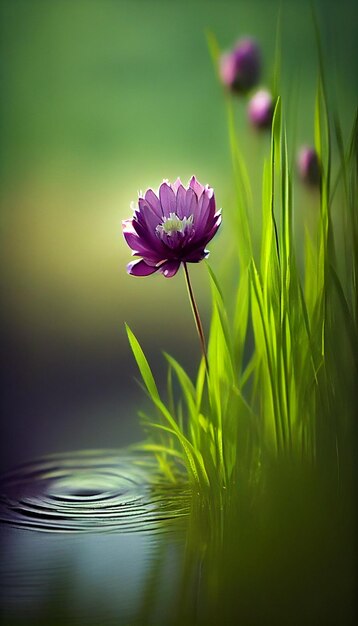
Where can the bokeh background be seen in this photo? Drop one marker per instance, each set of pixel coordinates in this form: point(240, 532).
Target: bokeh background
point(99, 99)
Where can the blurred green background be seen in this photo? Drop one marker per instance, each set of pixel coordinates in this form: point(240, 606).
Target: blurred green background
point(99, 99)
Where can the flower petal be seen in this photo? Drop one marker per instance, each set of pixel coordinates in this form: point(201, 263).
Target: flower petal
point(181, 206)
point(209, 234)
point(147, 214)
point(175, 186)
point(132, 239)
point(207, 201)
point(191, 204)
point(196, 186)
point(141, 248)
point(127, 226)
point(206, 215)
point(167, 199)
point(169, 268)
point(149, 240)
point(198, 243)
point(153, 201)
point(140, 268)
point(197, 255)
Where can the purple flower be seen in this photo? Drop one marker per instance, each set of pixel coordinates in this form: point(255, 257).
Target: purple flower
point(309, 166)
point(261, 108)
point(240, 68)
point(171, 227)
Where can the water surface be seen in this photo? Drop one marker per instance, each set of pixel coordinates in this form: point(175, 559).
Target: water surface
point(80, 535)
point(87, 539)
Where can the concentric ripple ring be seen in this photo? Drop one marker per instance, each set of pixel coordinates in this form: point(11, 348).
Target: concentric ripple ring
point(91, 491)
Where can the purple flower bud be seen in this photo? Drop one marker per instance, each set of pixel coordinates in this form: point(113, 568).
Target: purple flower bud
point(240, 68)
point(171, 227)
point(261, 108)
point(309, 166)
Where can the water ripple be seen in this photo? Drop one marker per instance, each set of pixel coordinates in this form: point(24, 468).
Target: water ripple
point(93, 491)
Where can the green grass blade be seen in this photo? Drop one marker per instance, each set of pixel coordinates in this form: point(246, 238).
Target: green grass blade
point(143, 365)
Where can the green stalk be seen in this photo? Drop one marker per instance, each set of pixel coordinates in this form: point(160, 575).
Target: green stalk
point(198, 324)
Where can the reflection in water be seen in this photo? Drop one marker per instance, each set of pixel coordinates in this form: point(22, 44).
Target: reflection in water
point(87, 540)
point(287, 559)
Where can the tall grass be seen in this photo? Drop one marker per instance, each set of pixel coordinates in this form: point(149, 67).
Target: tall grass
point(289, 398)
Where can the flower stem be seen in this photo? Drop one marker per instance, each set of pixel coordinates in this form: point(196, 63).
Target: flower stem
point(198, 324)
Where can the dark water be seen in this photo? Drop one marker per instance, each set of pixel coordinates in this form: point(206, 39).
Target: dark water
point(87, 540)
point(82, 537)
point(90, 492)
